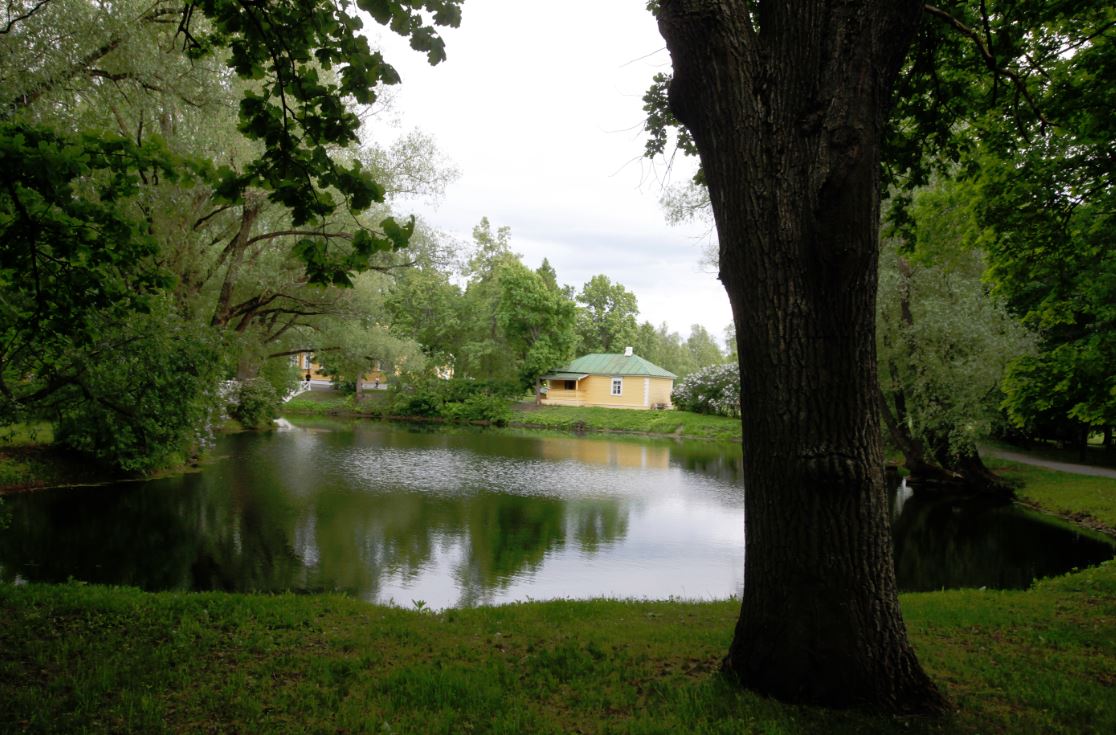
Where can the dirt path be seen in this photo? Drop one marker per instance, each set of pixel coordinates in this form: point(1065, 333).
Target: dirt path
point(1080, 469)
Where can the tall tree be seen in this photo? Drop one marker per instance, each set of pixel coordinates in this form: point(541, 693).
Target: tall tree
point(703, 348)
point(606, 319)
point(944, 343)
point(787, 104)
point(537, 322)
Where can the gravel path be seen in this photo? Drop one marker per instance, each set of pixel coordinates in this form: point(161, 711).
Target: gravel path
point(1080, 469)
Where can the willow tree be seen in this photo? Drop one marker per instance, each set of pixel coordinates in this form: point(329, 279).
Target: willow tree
point(787, 104)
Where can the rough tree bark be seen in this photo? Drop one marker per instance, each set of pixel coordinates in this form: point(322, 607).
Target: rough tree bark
point(786, 102)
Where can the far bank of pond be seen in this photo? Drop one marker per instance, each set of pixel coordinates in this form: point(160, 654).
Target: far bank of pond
point(673, 423)
point(448, 517)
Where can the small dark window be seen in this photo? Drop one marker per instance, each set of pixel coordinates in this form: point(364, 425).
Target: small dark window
point(571, 385)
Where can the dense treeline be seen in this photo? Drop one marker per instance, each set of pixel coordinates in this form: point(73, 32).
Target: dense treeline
point(189, 198)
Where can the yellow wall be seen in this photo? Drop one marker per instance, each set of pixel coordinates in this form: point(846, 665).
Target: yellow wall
point(316, 373)
point(609, 453)
point(596, 390)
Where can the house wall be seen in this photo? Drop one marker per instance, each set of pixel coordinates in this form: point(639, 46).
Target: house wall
point(371, 379)
point(557, 395)
point(637, 391)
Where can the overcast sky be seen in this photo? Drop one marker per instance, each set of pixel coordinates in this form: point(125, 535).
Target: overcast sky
point(539, 106)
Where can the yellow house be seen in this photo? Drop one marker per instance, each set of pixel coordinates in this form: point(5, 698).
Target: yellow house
point(615, 381)
point(312, 373)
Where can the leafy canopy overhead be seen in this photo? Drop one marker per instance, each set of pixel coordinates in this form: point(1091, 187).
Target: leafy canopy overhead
point(310, 64)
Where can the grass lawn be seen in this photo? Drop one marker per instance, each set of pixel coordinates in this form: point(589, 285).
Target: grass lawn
point(672, 423)
point(27, 459)
point(76, 658)
point(1088, 500)
point(331, 402)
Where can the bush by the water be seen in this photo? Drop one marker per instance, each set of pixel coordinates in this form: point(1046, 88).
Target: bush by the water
point(153, 404)
point(712, 390)
point(255, 403)
point(456, 399)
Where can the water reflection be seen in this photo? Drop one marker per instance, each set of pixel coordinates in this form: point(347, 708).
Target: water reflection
point(469, 517)
point(460, 517)
point(981, 542)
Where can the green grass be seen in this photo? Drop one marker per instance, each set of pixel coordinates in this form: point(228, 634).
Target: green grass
point(26, 434)
point(25, 457)
point(1091, 500)
point(76, 658)
point(672, 423)
point(681, 424)
point(334, 403)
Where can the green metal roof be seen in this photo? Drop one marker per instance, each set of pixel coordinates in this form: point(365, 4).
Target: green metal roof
point(608, 364)
point(559, 375)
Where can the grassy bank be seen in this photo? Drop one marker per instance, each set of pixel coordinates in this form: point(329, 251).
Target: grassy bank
point(92, 659)
point(681, 424)
point(671, 423)
point(1090, 501)
point(27, 459)
point(335, 403)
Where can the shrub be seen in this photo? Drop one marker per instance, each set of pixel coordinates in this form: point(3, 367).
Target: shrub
point(255, 404)
point(457, 399)
point(711, 390)
point(152, 405)
point(479, 407)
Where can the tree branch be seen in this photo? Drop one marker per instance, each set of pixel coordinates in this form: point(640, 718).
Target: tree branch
point(313, 233)
point(989, 59)
point(12, 21)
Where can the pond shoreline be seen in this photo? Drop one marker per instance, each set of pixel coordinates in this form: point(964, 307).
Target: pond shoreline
point(59, 469)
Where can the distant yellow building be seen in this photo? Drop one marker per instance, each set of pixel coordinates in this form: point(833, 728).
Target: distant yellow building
point(613, 381)
point(311, 371)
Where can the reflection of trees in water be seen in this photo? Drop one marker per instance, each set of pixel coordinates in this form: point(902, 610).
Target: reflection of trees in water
point(281, 515)
point(101, 535)
point(972, 542)
point(596, 524)
point(725, 463)
point(506, 536)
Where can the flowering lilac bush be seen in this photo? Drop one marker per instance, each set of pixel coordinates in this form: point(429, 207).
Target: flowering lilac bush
point(714, 389)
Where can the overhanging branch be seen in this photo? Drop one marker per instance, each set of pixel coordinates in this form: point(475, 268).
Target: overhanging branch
point(989, 59)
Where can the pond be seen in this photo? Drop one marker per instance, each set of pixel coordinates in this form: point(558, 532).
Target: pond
point(446, 517)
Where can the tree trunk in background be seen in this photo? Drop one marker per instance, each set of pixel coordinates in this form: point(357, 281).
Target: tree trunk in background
point(787, 109)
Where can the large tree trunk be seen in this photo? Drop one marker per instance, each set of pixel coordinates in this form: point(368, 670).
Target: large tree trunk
point(787, 107)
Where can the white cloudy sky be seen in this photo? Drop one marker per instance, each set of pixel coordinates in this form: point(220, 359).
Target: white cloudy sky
point(539, 107)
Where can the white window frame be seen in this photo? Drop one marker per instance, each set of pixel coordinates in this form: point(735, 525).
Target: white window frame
point(617, 386)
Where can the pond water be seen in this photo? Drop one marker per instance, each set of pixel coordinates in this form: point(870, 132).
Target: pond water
point(462, 517)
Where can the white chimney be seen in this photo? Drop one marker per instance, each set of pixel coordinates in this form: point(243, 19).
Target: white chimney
point(627, 352)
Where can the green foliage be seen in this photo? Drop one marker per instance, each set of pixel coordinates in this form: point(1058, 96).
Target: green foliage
point(76, 253)
point(231, 179)
point(146, 397)
point(1048, 202)
point(479, 408)
point(300, 114)
point(943, 342)
point(280, 374)
point(424, 305)
point(514, 324)
point(537, 322)
point(457, 399)
point(712, 390)
point(606, 319)
point(255, 404)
